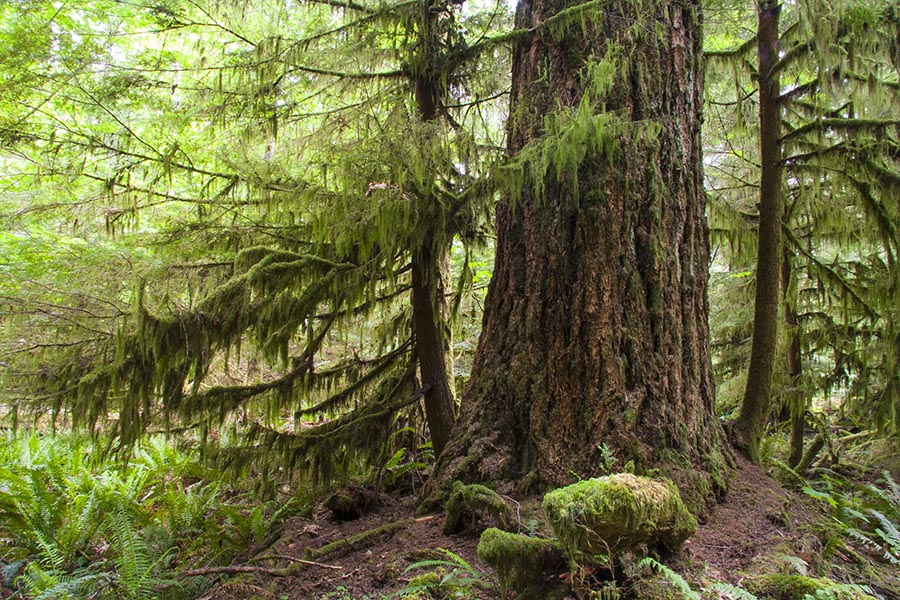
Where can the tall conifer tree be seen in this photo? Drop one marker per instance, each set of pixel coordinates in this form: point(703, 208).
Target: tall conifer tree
point(595, 331)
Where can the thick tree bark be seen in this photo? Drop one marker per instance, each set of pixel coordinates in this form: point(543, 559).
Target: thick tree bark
point(757, 402)
point(595, 328)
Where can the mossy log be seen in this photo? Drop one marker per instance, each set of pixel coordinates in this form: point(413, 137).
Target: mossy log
point(529, 566)
point(467, 502)
point(612, 514)
point(357, 541)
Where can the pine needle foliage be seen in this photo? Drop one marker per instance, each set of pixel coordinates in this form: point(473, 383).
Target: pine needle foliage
point(840, 129)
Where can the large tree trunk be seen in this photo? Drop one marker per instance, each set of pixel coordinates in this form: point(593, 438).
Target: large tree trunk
point(757, 401)
point(595, 329)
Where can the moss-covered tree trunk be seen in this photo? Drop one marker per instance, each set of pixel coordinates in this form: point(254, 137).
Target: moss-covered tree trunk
point(795, 401)
point(757, 402)
point(428, 301)
point(431, 343)
point(595, 330)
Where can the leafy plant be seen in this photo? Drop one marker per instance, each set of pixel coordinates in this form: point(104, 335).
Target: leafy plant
point(867, 513)
point(450, 577)
point(406, 465)
point(671, 576)
point(76, 526)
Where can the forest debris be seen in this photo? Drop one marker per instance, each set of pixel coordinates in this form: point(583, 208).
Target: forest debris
point(817, 444)
point(270, 571)
point(619, 512)
point(358, 541)
point(294, 559)
point(467, 502)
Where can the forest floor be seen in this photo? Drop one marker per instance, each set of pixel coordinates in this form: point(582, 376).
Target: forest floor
point(757, 524)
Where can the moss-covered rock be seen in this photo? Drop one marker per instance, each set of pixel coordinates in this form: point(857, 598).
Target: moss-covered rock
point(612, 514)
point(799, 587)
point(467, 502)
point(529, 566)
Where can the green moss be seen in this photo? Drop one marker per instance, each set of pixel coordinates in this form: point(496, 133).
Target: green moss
point(618, 512)
point(427, 580)
point(528, 566)
point(466, 502)
point(799, 587)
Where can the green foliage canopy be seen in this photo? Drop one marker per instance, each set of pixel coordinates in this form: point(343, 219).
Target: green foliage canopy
point(246, 186)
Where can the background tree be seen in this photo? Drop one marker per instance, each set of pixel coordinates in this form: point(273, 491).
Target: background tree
point(595, 332)
point(837, 104)
point(293, 177)
point(755, 407)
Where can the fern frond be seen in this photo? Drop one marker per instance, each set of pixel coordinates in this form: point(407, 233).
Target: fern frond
point(731, 592)
point(677, 581)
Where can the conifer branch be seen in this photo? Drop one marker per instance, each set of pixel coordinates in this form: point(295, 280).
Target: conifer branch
point(337, 400)
point(792, 55)
point(396, 73)
point(736, 52)
point(840, 124)
point(349, 5)
point(831, 274)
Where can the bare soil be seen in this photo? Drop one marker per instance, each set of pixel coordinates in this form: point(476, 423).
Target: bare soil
point(757, 520)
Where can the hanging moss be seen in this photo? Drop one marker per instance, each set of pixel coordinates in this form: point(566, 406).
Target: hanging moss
point(528, 566)
point(612, 514)
point(467, 502)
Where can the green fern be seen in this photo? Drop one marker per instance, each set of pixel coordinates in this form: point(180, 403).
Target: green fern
point(868, 514)
point(731, 592)
point(41, 583)
point(80, 528)
point(450, 577)
point(671, 576)
point(842, 591)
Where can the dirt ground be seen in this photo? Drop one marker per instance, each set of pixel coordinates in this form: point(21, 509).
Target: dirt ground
point(757, 520)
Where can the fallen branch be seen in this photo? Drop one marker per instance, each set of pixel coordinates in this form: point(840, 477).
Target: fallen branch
point(294, 559)
point(365, 539)
point(235, 569)
point(817, 444)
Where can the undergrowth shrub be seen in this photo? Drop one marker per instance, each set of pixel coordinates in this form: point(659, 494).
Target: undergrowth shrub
point(73, 525)
point(866, 513)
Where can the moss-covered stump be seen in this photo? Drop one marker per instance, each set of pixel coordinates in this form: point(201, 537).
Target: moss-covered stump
point(798, 587)
point(613, 514)
point(351, 502)
point(528, 566)
point(467, 502)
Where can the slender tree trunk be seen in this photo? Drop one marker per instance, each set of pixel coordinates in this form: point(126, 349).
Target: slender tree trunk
point(757, 395)
point(595, 334)
point(431, 346)
point(428, 303)
point(796, 403)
